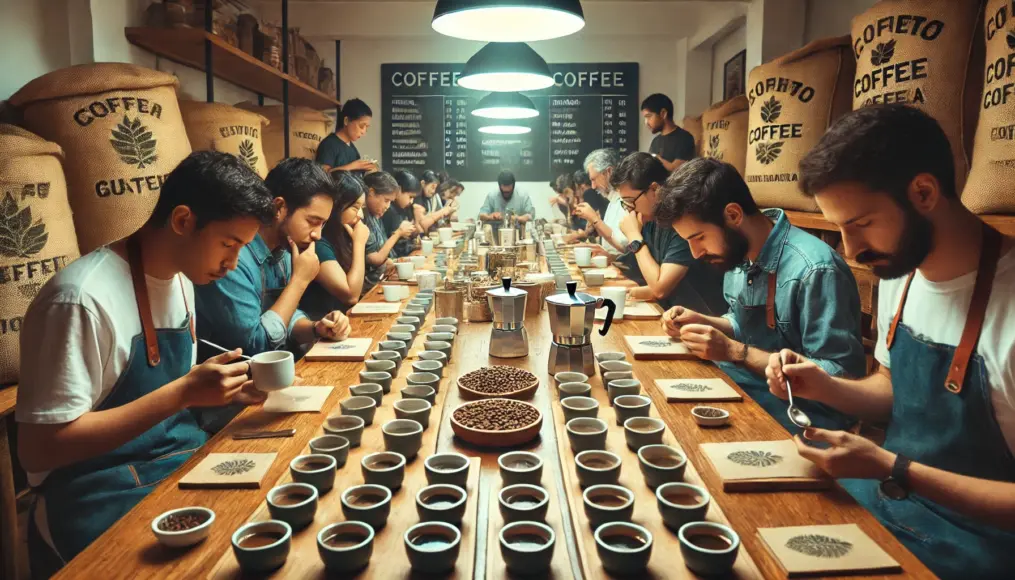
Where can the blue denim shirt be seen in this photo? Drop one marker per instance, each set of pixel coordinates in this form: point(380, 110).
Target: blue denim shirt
point(234, 310)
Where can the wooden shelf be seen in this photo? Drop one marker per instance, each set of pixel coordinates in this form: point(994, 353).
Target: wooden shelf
point(186, 46)
point(815, 221)
point(8, 397)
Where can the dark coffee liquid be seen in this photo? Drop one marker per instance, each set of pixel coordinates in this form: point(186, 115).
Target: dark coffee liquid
point(609, 500)
point(585, 429)
point(260, 539)
point(343, 540)
point(523, 502)
point(681, 498)
point(710, 541)
point(624, 541)
point(290, 498)
point(441, 501)
point(597, 463)
point(665, 461)
point(526, 541)
point(431, 542)
point(313, 465)
point(383, 464)
point(366, 500)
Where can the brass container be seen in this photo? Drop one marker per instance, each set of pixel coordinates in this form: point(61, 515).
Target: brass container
point(479, 311)
point(450, 303)
point(534, 302)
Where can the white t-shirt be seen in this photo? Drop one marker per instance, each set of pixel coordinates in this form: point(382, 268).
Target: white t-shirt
point(936, 311)
point(612, 217)
point(77, 334)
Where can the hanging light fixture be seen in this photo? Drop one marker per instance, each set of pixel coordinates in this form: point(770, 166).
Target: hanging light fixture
point(506, 106)
point(508, 20)
point(505, 130)
point(504, 67)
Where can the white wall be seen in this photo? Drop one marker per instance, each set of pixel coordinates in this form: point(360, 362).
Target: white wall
point(723, 50)
point(34, 39)
point(826, 18)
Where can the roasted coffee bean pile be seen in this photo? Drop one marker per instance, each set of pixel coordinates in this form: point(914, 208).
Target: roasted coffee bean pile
point(497, 379)
point(180, 522)
point(496, 415)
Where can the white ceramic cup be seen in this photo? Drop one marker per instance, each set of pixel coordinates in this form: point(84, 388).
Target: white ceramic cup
point(428, 280)
point(405, 270)
point(393, 293)
point(273, 370)
point(619, 297)
point(403, 292)
point(418, 261)
point(599, 261)
point(427, 247)
point(583, 257)
point(445, 234)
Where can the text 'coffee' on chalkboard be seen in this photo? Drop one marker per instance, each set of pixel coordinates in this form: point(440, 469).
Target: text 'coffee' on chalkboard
point(428, 122)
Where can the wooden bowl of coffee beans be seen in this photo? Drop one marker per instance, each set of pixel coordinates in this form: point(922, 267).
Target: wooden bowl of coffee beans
point(496, 422)
point(498, 382)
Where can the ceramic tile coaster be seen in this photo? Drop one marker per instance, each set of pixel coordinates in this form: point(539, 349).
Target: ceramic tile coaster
point(657, 348)
point(697, 390)
point(297, 400)
point(364, 308)
point(636, 311)
point(348, 350)
point(229, 471)
point(763, 466)
point(826, 550)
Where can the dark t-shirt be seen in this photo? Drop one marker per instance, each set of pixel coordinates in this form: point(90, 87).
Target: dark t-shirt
point(334, 152)
point(391, 220)
point(677, 145)
point(595, 199)
point(317, 302)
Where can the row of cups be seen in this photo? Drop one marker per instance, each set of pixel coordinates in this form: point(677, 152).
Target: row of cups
point(526, 541)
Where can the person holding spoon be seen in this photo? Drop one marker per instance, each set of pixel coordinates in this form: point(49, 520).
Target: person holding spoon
point(944, 480)
point(108, 376)
point(337, 152)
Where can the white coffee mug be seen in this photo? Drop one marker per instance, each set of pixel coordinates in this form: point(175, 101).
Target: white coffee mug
point(583, 257)
point(393, 293)
point(405, 270)
point(427, 279)
point(427, 247)
point(445, 234)
point(619, 297)
point(273, 370)
point(599, 261)
point(418, 261)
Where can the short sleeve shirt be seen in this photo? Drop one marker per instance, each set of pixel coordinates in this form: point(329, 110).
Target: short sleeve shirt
point(317, 301)
point(677, 145)
point(374, 243)
point(334, 152)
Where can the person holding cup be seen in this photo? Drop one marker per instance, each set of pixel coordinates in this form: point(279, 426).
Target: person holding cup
point(428, 208)
point(381, 191)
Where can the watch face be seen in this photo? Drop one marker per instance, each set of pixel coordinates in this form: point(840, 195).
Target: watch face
point(893, 490)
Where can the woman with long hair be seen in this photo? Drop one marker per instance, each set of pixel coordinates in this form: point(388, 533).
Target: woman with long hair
point(448, 191)
point(401, 210)
point(428, 208)
point(382, 189)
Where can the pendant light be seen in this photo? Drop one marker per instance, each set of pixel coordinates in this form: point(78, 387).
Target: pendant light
point(505, 130)
point(505, 106)
point(504, 67)
point(508, 20)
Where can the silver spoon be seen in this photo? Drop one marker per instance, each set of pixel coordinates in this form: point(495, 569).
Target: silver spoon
point(798, 417)
point(223, 349)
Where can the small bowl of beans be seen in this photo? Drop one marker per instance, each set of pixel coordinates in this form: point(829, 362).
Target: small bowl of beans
point(496, 422)
point(498, 381)
point(183, 527)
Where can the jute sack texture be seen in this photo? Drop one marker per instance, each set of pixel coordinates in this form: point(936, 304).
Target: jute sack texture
point(228, 129)
point(36, 231)
point(693, 126)
point(724, 132)
point(794, 99)
point(121, 129)
point(928, 54)
point(307, 128)
point(991, 184)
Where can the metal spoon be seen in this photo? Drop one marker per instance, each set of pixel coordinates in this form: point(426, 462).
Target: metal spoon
point(798, 417)
point(223, 349)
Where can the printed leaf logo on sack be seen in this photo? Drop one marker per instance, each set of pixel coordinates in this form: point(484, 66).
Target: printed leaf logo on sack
point(19, 237)
point(134, 143)
point(713, 148)
point(883, 53)
point(247, 153)
point(771, 110)
point(767, 153)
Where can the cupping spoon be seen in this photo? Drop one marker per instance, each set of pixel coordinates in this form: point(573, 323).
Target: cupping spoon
point(798, 417)
point(223, 349)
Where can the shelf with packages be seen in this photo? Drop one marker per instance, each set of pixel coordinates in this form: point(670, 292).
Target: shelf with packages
point(186, 46)
point(815, 221)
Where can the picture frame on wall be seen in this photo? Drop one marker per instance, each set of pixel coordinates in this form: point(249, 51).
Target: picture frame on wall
point(734, 76)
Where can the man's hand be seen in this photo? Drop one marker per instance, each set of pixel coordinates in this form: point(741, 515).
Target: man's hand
point(850, 456)
point(216, 382)
point(306, 265)
point(406, 229)
point(334, 326)
point(808, 379)
point(389, 268)
point(630, 226)
point(706, 342)
point(496, 216)
point(678, 316)
point(585, 212)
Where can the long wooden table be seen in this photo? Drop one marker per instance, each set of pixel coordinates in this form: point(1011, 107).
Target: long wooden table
point(129, 550)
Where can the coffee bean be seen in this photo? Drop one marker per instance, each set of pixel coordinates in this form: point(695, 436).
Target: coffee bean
point(497, 379)
point(180, 522)
point(496, 415)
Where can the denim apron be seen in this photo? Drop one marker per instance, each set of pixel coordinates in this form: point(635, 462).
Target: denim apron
point(759, 326)
point(942, 416)
point(86, 498)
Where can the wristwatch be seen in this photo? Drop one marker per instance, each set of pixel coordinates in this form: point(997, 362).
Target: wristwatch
point(897, 485)
point(634, 246)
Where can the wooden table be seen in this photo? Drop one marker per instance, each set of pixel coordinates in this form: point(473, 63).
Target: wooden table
point(128, 549)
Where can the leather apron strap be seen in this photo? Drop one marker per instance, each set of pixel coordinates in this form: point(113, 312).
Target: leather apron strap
point(143, 304)
point(770, 300)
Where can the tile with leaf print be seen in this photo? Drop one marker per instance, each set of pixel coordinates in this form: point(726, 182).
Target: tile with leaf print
point(826, 550)
point(763, 465)
point(228, 471)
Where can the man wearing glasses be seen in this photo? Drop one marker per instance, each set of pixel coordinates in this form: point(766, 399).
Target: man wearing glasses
point(669, 273)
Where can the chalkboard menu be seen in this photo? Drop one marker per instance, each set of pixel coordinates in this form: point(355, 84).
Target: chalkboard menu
point(428, 122)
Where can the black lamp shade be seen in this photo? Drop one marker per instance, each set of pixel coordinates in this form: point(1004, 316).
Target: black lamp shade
point(506, 106)
point(508, 20)
point(506, 67)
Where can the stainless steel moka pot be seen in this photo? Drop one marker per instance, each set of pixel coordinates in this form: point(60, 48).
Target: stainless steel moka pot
point(571, 317)
point(508, 338)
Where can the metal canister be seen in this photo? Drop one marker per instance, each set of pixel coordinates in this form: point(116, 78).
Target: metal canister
point(450, 303)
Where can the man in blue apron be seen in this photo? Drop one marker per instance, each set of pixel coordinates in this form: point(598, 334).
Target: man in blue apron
point(107, 375)
point(784, 287)
point(256, 306)
point(944, 482)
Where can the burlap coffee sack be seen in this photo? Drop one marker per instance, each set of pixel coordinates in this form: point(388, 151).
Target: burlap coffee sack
point(307, 128)
point(724, 132)
point(220, 127)
point(121, 129)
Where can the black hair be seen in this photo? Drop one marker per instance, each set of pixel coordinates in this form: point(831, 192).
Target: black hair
point(565, 181)
point(349, 189)
point(639, 170)
point(703, 187)
point(298, 181)
point(506, 178)
point(429, 177)
point(216, 187)
point(443, 176)
point(581, 178)
point(381, 182)
point(449, 185)
point(407, 182)
point(882, 147)
point(656, 103)
point(354, 109)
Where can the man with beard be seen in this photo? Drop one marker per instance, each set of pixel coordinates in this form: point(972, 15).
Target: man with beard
point(672, 146)
point(944, 482)
point(785, 288)
point(600, 165)
point(255, 306)
point(506, 201)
